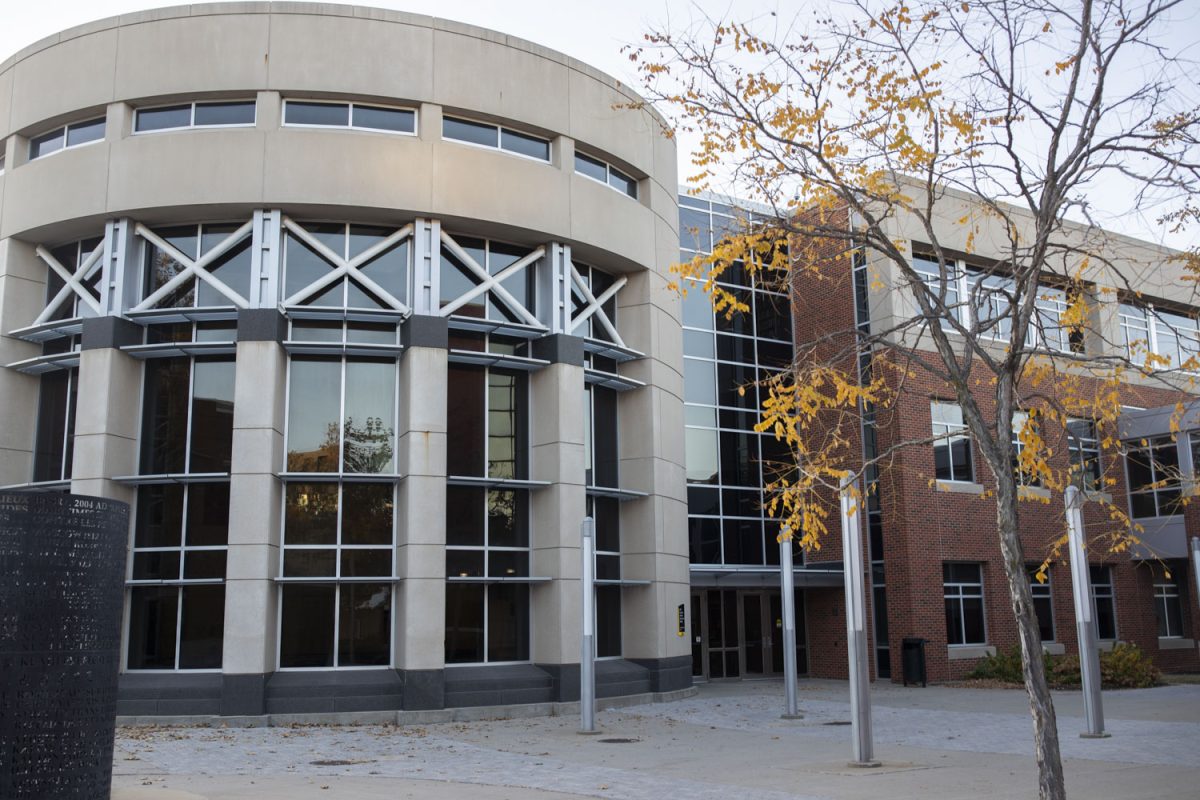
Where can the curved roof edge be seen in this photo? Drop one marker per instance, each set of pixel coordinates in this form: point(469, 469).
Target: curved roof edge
point(328, 10)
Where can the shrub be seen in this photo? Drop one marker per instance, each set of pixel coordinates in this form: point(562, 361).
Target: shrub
point(1124, 667)
point(1004, 666)
point(1127, 667)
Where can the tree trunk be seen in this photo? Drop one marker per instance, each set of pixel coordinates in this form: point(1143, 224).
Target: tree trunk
point(1041, 705)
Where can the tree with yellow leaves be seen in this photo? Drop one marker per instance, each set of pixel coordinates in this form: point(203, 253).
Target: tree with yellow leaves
point(941, 157)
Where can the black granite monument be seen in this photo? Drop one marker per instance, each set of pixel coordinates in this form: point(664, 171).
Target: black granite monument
point(62, 566)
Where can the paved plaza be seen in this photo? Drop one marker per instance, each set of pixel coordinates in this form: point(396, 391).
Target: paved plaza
point(726, 742)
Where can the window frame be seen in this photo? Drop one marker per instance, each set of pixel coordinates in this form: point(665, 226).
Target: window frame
point(1084, 450)
point(1019, 421)
point(1148, 321)
point(65, 132)
point(959, 597)
point(965, 280)
point(191, 105)
point(1045, 592)
point(1105, 591)
point(1153, 443)
point(609, 169)
point(1167, 590)
point(948, 438)
point(499, 145)
point(350, 105)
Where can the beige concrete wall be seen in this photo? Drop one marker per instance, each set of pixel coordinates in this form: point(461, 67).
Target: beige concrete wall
point(255, 508)
point(308, 50)
point(22, 289)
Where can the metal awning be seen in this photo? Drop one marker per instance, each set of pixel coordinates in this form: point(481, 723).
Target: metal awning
point(817, 575)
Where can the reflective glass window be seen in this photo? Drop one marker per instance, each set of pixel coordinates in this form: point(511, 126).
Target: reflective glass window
point(385, 119)
point(297, 112)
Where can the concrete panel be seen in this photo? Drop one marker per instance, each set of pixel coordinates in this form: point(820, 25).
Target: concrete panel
point(421, 560)
point(257, 451)
point(110, 390)
point(16, 466)
point(255, 503)
point(252, 561)
point(375, 170)
point(192, 166)
point(423, 372)
point(421, 453)
point(599, 122)
point(420, 622)
point(190, 55)
point(6, 82)
point(250, 612)
point(482, 73)
point(259, 394)
point(480, 183)
point(102, 456)
point(79, 178)
point(357, 56)
point(56, 83)
point(597, 211)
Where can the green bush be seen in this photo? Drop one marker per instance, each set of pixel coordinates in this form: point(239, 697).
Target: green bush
point(1124, 667)
point(1127, 667)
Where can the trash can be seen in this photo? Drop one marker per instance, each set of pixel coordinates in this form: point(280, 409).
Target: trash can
point(912, 654)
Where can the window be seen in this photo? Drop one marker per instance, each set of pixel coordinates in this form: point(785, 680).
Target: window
point(1103, 602)
point(485, 134)
point(380, 281)
point(1020, 421)
point(1167, 608)
point(54, 445)
point(231, 267)
point(1043, 604)
point(181, 530)
point(952, 459)
point(1146, 330)
point(606, 173)
point(597, 282)
point(316, 114)
point(339, 513)
point(336, 598)
point(177, 613)
point(508, 300)
point(1083, 445)
point(73, 135)
point(973, 297)
point(963, 590)
point(487, 516)
point(602, 460)
point(1152, 466)
point(2, 155)
point(217, 114)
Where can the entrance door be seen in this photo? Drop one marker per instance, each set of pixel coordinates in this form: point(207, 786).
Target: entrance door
point(738, 633)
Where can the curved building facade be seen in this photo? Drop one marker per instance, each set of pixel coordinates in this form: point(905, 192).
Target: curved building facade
point(362, 312)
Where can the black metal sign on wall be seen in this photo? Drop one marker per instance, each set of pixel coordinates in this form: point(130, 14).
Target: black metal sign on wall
point(62, 569)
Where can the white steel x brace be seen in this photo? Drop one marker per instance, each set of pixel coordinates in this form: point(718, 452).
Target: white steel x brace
point(194, 267)
point(595, 305)
point(491, 283)
point(73, 283)
point(343, 267)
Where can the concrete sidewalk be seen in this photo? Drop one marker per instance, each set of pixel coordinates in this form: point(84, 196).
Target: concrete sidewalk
point(727, 742)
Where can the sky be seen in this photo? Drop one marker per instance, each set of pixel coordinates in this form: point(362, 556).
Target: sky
point(593, 32)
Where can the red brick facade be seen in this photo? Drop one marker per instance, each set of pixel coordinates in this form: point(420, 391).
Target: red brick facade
point(925, 526)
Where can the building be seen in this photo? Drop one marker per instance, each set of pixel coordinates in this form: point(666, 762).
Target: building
point(361, 318)
point(365, 316)
point(936, 570)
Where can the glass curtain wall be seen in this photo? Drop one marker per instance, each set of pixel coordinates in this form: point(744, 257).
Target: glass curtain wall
point(602, 460)
point(487, 516)
point(727, 462)
point(181, 527)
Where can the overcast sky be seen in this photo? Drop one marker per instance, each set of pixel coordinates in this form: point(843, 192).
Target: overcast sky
point(592, 31)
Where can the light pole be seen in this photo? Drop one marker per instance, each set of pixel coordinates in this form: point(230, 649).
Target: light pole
point(587, 649)
point(787, 590)
point(1085, 622)
point(856, 632)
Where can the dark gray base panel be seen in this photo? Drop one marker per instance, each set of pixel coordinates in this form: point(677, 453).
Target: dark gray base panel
point(348, 691)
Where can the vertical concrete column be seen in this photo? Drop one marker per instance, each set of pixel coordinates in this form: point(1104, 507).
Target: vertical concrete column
point(420, 612)
point(255, 507)
point(654, 528)
point(107, 416)
point(556, 400)
point(22, 297)
point(1105, 337)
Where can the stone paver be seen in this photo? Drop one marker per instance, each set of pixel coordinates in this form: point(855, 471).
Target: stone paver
point(727, 743)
